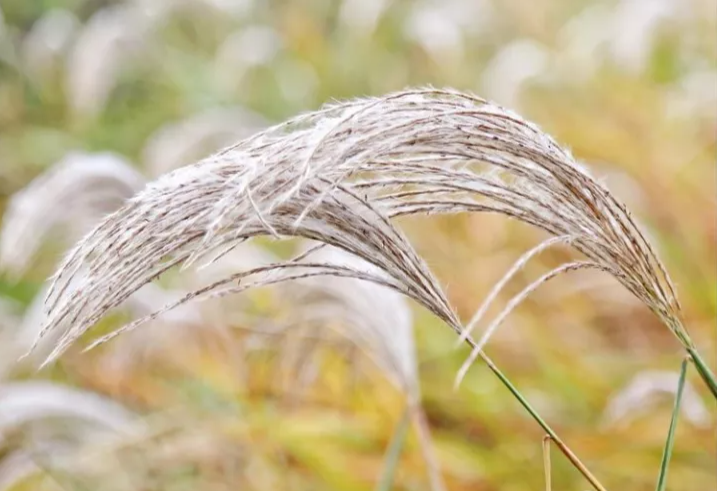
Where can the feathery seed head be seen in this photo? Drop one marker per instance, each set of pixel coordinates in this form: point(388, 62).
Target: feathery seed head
point(339, 176)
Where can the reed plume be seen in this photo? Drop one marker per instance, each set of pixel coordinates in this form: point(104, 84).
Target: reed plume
point(649, 389)
point(30, 435)
point(377, 319)
point(73, 196)
point(183, 142)
point(23, 403)
point(340, 176)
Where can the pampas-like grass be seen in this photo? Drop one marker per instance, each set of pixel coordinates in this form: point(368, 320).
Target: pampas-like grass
point(375, 318)
point(362, 15)
point(53, 422)
point(15, 467)
point(649, 389)
point(512, 68)
point(109, 40)
point(624, 33)
point(180, 325)
point(635, 27)
point(9, 319)
point(22, 403)
point(8, 313)
point(188, 323)
point(184, 142)
point(46, 43)
point(339, 176)
point(89, 187)
point(250, 46)
point(73, 195)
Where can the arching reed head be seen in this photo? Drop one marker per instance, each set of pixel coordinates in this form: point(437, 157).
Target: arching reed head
point(340, 176)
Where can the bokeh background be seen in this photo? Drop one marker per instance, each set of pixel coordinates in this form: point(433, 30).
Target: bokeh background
point(629, 85)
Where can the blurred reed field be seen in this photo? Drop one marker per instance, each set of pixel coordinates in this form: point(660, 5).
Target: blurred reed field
point(327, 381)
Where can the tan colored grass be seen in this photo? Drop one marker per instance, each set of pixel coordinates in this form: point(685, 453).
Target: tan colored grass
point(46, 424)
point(72, 196)
point(339, 176)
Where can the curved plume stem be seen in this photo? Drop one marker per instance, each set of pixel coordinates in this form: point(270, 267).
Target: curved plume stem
point(669, 443)
point(707, 375)
point(562, 446)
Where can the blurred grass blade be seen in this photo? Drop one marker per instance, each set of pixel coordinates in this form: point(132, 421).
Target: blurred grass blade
point(546, 462)
point(662, 478)
point(424, 438)
point(704, 371)
point(394, 452)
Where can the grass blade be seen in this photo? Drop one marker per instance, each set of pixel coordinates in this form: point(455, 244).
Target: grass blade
point(662, 478)
point(394, 452)
point(424, 439)
point(546, 463)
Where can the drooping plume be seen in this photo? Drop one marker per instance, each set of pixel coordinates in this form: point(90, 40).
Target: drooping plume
point(340, 176)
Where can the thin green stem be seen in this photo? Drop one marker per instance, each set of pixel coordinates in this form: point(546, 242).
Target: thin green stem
point(707, 375)
point(543, 424)
point(385, 483)
point(667, 453)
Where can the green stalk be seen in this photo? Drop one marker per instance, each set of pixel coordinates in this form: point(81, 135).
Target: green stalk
point(385, 483)
point(704, 370)
point(544, 425)
point(667, 453)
